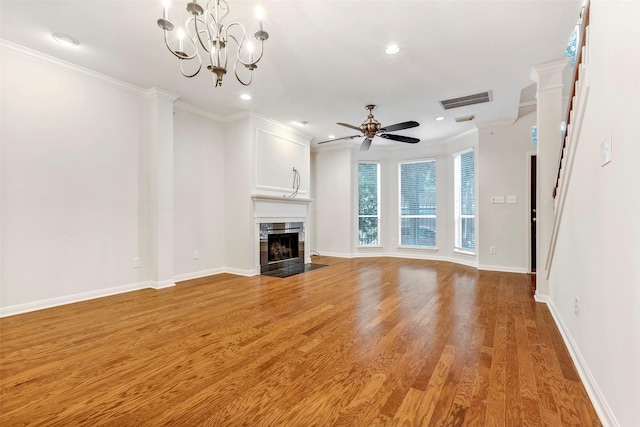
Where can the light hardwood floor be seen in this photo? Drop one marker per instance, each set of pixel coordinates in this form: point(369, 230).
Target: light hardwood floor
point(362, 342)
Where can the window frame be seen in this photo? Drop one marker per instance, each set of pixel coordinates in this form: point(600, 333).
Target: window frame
point(378, 210)
point(458, 216)
point(426, 216)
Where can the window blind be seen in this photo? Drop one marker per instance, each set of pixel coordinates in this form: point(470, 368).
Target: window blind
point(418, 203)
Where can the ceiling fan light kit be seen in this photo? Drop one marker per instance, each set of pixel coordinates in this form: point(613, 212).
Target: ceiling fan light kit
point(205, 31)
point(372, 128)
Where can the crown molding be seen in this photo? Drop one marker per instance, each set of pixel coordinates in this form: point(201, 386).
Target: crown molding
point(155, 92)
point(463, 134)
point(184, 106)
point(24, 52)
point(496, 124)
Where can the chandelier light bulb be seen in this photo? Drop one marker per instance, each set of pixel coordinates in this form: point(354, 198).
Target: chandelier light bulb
point(260, 16)
point(181, 39)
point(165, 9)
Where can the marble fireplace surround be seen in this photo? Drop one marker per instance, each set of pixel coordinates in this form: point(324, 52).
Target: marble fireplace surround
point(279, 209)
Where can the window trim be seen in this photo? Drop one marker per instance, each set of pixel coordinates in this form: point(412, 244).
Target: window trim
point(401, 217)
point(457, 196)
point(378, 243)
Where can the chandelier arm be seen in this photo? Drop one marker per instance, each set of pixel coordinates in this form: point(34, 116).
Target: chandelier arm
point(220, 4)
point(166, 42)
point(241, 43)
point(190, 75)
point(235, 71)
point(195, 26)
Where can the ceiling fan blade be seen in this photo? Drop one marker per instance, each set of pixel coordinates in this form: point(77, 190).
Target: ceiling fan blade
point(365, 144)
point(350, 126)
point(338, 139)
point(400, 126)
point(400, 138)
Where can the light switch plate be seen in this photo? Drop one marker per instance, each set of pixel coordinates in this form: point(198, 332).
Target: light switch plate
point(497, 199)
point(512, 199)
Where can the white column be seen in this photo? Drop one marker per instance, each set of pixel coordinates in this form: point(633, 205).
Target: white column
point(161, 189)
point(550, 115)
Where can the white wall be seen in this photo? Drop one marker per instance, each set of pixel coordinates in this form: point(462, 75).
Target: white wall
point(597, 257)
point(503, 159)
point(199, 183)
point(97, 172)
point(70, 183)
point(333, 205)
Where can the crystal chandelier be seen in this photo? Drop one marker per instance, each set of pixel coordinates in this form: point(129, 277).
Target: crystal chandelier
point(205, 31)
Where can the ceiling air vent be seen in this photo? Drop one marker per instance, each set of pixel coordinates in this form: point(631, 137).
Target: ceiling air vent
point(465, 119)
point(477, 98)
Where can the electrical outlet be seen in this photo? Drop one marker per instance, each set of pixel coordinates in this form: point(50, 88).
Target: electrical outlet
point(196, 254)
point(136, 262)
point(492, 250)
point(577, 307)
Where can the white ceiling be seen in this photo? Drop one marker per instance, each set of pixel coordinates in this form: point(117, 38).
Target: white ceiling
point(324, 60)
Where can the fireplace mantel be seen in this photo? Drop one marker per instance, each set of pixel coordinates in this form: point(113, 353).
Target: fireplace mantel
point(266, 206)
point(283, 199)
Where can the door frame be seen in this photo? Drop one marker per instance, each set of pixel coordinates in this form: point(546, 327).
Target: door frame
point(528, 157)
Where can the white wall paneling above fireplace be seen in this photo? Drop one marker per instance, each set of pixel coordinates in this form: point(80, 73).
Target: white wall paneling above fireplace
point(276, 157)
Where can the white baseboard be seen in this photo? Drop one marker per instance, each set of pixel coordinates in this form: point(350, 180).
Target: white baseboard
point(336, 254)
point(591, 386)
point(198, 274)
point(240, 272)
point(162, 284)
point(502, 268)
point(69, 299)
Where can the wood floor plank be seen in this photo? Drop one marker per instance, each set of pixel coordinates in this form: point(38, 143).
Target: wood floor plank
point(362, 342)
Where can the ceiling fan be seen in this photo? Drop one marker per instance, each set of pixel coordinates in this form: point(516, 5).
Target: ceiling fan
point(371, 127)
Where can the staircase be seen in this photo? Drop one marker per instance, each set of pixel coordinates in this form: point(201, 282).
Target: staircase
point(571, 134)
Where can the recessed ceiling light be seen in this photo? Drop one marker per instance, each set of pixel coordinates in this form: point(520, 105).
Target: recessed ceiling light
point(439, 118)
point(65, 39)
point(331, 136)
point(245, 96)
point(392, 49)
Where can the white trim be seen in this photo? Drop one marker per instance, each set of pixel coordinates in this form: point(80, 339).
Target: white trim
point(181, 105)
point(270, 198)
point(462, 135)
point(595, 394)
point(70, 299)
point(496, 124)
point(162, 284)
point(24, 52)
point(502, 268)
point(198, 274)
point(240, 272)
point(282, 126)
point(463, 252)
point(338, 254)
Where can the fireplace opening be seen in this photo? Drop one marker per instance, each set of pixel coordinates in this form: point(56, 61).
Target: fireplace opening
point(282, 247)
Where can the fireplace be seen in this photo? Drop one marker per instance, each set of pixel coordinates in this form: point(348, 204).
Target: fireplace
point(281, 244)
